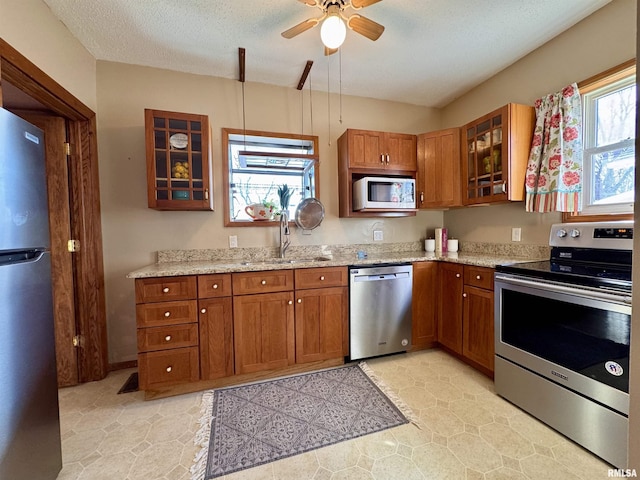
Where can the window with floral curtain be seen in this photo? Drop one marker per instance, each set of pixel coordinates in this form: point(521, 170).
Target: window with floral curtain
point(554, 171)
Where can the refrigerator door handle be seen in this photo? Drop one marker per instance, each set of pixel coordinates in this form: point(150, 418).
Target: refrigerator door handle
point(15, 258)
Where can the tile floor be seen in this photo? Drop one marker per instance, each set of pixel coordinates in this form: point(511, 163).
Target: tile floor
point(466, 432)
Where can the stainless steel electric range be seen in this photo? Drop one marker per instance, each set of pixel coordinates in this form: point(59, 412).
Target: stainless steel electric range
point(562, 335)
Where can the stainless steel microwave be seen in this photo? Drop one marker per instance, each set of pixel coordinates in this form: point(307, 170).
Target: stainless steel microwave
point(392, 193)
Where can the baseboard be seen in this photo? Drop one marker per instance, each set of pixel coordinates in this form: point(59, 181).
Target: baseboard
point(123, 365)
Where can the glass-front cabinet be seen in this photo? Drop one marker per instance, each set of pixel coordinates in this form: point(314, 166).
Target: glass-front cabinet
point(495, 150)
point(178, 161)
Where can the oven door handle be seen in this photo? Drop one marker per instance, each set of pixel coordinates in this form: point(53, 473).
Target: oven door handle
point(554, 287)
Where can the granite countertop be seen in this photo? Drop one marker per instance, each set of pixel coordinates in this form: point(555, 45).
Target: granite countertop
point(200, 267)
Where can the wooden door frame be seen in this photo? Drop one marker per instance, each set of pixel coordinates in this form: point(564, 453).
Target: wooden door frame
point(84, 203)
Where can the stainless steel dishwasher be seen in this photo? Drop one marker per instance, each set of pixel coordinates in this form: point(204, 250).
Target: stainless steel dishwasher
point(379, 310)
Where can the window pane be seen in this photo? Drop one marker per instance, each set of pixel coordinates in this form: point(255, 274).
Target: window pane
point(616, 113)
point(612, 176)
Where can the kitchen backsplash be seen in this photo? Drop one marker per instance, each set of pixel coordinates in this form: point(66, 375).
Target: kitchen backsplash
point(310, 251)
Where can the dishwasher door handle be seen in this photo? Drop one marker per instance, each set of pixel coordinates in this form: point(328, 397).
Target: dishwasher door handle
point(375, 278)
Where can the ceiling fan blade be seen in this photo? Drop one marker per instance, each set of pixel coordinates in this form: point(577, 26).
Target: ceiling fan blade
point(358, 4)
point(364, 26)
point(301, 27)
point(329, 51)
point(312, 3)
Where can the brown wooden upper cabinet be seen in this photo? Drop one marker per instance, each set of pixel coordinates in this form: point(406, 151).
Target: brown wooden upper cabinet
point(495, 151)
point(178, 161)
point(380, 151)
point(438, 179)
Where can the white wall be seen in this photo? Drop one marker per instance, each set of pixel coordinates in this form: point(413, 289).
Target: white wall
point(604, 39)
point(30, 27)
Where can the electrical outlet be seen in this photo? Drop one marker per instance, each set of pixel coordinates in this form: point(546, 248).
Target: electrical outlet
point(516, 234)
point(233, 241)
point(377, 236)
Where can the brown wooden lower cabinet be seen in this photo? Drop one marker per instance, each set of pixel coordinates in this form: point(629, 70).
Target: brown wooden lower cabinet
point(263, 328)
point(320, 317)
point(424, 304)
point(450, 306)
point(465, 313)
point(216, 337)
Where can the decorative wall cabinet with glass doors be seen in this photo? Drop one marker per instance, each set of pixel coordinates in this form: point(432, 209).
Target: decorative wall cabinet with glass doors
point(495, 151)
point(178, 161)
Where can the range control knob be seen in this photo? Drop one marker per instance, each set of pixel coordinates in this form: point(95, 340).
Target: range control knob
point(562, 233)
point(575, 233)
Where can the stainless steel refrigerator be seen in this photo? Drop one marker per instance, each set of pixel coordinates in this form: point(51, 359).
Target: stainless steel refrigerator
point(29, 416)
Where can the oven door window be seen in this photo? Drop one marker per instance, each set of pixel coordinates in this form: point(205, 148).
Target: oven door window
point(591, 341)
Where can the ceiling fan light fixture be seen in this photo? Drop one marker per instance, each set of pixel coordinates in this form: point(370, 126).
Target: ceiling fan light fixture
point(333, 31)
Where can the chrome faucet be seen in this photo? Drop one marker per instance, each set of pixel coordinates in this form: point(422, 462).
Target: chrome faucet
point(285, 241)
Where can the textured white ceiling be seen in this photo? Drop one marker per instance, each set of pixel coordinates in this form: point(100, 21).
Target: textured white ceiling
point(431, 52)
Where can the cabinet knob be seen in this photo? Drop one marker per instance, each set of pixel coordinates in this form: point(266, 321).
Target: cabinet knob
point(388, 159)
point(478, 277)
point(290, 302)
point(169, 368)
point(215, 286)
point(457, 275)
point(464, 295)
point(299, 300)
point(263, 282)
point(204, 310)
point(167, 314)
point(165, 289)
point(322, 277)
point(167, 338)
point(382, 158)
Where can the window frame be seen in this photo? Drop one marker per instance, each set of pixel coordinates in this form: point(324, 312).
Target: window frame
point(600, 80)
point(226, 132)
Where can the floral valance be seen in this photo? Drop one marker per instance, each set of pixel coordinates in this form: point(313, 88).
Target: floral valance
point(554, 171)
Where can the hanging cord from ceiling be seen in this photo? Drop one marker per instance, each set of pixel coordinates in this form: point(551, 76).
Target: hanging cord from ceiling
point(340, 86)
point(329, 99)
point(303, 79)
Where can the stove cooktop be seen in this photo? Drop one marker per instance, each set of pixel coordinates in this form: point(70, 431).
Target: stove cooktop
point(617, 277)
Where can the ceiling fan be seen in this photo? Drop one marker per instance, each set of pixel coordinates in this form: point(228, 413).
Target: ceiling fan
point(333, 20)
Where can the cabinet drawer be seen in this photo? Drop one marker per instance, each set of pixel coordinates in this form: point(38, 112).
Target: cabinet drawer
point(321, 277)
point(165, 289)
point(162, 338)
point(262, 282)
point(166, 313)
point(480, 277)
point(218, 285)
point(168, 367)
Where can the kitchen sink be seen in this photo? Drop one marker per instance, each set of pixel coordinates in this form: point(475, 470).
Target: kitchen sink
point(287, 261)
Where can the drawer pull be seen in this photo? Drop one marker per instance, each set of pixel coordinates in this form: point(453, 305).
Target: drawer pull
point(204, 310)
point(457, 275)
point(167, 338)
point(478, 277)
point(169, 368)
point(167, 314)
point(464, 295)
point(215, 286)
point(165, 289)
point(290, 302)
point(299, 300)
point(263, 282)
point(322, 277)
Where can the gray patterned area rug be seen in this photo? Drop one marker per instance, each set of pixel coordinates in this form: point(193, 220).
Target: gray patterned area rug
point(250, 425)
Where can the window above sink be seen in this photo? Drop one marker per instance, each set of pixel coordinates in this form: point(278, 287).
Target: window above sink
point(256, 164)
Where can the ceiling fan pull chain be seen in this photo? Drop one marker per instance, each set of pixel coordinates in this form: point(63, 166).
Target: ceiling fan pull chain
point(340, 67)
point(329, 99)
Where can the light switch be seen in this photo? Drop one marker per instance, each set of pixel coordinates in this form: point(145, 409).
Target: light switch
point(233, 241)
